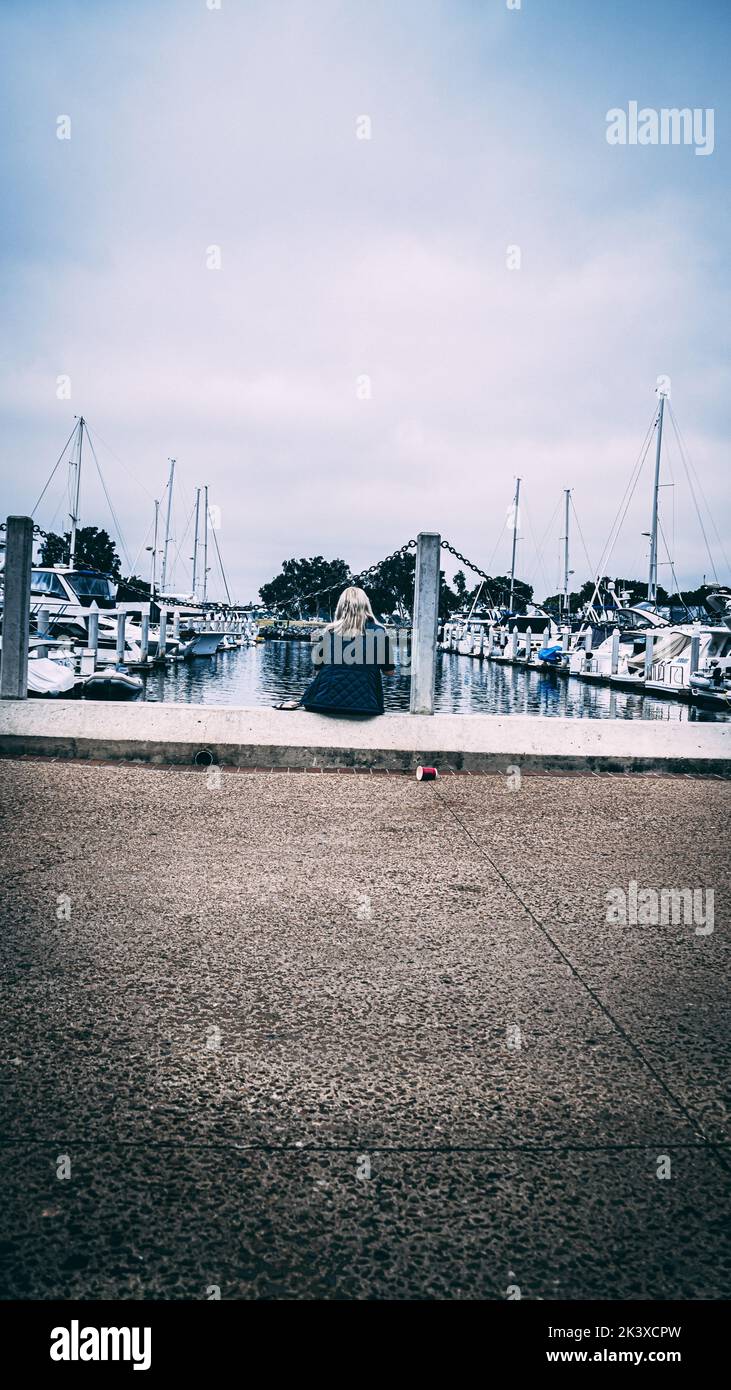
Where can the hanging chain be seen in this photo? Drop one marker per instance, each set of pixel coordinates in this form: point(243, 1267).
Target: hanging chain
point(353, 579)
point(474, 568)
point(37, 532)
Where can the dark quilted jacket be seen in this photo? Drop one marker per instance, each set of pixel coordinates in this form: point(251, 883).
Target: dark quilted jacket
point(349, 672)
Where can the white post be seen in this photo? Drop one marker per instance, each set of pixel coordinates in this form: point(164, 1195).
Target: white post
point(615, 651)
point(163, 634)
point(565, 637)
point(176, 624)
point(43, 620)
point(92, 639)
point(514, 644)
point(121, 621)
point(426, 615)
point(145, 636)
point(528, 643)
point(649, 653)
point(695, 649)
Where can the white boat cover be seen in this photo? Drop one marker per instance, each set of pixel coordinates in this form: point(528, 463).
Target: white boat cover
point(46, 677)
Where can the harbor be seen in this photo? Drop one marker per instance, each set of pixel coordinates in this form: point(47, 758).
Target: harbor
point(94, 636)
point(365, 677)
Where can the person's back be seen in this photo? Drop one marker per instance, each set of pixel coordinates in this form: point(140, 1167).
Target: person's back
point(349, 670)
point(349, 656)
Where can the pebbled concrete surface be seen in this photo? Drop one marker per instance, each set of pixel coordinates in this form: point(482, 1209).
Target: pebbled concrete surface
point(270, 984)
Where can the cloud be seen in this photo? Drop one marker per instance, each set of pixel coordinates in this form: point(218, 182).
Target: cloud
point(341, 259)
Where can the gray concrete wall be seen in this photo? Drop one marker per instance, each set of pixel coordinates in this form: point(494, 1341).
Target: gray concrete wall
point(170, 733)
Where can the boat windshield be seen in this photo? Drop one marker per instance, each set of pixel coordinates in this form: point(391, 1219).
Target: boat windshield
point(92, 585)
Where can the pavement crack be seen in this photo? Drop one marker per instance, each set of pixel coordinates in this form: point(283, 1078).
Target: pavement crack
point(675, 1100)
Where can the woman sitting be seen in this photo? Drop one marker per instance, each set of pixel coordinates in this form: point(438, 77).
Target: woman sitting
point(349, 655)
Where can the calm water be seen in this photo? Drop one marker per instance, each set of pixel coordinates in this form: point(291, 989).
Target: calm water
point(273, 671)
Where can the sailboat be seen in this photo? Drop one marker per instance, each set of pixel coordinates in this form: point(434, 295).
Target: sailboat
point(647, 651)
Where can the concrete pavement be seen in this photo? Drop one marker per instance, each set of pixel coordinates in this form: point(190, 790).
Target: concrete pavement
point(350, 1036)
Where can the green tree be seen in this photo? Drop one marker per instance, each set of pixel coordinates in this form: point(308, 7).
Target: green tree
point(460, 586)
point(323, 579)
point(95, 550)
point(132, 587)
point(391, 588)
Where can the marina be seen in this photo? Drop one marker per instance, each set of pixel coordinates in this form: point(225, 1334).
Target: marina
point(611, 655)
point(365, 676)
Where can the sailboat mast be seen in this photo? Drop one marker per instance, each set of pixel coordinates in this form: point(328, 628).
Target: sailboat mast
point(515, 538)
point(652, 580)
point(77, 485)
point(566, 571)
point(195, 541)
point(205, 542)
point(153, 576)
point(163, 580)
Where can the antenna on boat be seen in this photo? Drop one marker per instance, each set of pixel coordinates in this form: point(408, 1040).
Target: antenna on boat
point(515, 538)
point(652, 578)
point(76, 464)
point(163, 578)
point(566, 570)
point(195, 541)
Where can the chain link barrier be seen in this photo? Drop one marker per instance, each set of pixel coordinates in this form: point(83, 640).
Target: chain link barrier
point(299, 599)
point(474, 568)
point(365, 575)
point(37, 532)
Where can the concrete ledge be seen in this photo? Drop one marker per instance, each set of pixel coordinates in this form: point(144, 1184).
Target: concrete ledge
point(170, 733)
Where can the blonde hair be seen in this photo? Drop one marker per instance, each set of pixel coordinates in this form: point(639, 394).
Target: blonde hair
point(352, 613)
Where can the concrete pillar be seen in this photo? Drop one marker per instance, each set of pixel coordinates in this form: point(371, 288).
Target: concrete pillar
point(121, 623)
point(92, 639)
point(528, 643)
point(649, 655)
point(176, 624)
point(426, 616)
point(163, 634)
point(513, 649)
point(144, 636)
point(16, 612)
point(695, 650)
point(565, 638)
point(615, 651)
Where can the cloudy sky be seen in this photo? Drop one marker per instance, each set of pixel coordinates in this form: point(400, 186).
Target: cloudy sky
point(365, 364)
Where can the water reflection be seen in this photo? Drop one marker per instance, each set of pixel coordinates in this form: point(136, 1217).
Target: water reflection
point(273, 671)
